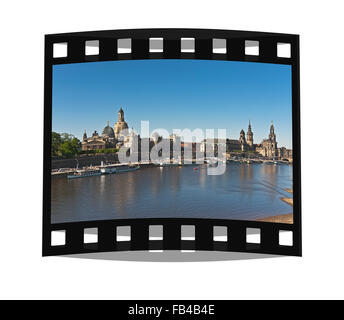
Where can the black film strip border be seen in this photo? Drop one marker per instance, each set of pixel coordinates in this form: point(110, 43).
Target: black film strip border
point(235, 51)
point(172, 236)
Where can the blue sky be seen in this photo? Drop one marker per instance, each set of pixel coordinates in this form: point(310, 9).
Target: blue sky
point(174, 94)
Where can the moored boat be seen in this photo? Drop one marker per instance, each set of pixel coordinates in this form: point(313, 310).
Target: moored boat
point(168, 164)
point(212, 162)
point(117, 168)
point(84, 174)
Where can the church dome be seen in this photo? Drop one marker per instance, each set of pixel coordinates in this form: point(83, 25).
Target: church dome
point(108, 131)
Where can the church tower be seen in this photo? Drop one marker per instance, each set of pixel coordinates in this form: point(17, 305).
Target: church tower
point(272, 135)
point(242, 137)
point(273, 143)
point(121, 115)
point(120, 125)
point(249, 135)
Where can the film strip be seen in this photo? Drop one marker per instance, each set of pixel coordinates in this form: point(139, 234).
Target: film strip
point(202, 234)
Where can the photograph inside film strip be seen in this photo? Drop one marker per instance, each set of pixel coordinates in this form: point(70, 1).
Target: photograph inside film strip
point(150, 144)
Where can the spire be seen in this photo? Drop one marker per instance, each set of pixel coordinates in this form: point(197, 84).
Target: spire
point(249, 127)
point(249, 134)
point(272, 128)
point(107, 122)
point(272, 135)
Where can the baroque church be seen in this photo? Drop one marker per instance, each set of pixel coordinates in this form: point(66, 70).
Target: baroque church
point(110, 138)
point(119, 135)
point(267, 148)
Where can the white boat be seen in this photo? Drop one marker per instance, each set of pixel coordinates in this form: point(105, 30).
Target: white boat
point(168, 164)
point(212, 162)
point(84, 174)
point(117, 168)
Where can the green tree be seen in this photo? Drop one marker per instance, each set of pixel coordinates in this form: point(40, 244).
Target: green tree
point(66, 137)
point(70, 146)
point(64, 145)
point(56, 141)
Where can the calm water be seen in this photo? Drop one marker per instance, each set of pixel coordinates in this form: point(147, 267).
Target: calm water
point(243, 192)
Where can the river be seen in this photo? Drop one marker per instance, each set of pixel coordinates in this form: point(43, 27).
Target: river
point(244, 192)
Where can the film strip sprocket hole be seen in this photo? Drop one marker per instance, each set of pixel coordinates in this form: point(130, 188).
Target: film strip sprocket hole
point(263, 50)
point(159, 234)
point(171, 234)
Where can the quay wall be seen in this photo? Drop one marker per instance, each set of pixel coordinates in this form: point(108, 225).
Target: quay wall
point(84, 160)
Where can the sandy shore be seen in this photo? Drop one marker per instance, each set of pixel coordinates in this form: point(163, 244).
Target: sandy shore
point(288, 200)
point(282, 218)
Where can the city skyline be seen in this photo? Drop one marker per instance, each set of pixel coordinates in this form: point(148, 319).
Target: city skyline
point(174, 94)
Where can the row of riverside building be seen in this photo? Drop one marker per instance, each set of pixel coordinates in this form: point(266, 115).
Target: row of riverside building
point(119, 135)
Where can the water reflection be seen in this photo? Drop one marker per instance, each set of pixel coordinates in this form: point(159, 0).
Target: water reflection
point(245, 191)
point(246, 172)
point(202, 176)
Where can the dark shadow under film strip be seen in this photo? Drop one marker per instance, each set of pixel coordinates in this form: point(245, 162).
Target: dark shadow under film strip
point(203, 228)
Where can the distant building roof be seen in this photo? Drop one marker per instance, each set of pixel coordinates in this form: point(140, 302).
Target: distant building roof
point(108, 131)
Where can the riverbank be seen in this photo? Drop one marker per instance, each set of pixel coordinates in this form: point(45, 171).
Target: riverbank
point(288, 200)
point(282, 218)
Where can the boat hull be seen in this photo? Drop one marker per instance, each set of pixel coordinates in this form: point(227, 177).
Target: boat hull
point(118, 170)
point(84, 175)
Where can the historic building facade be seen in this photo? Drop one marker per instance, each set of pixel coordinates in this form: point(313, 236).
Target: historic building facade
point(267, 148)
point(232, 145)
point(249, 135)
point(110, 138)
point(119, 136)
point(95, 142)
point(120, 126)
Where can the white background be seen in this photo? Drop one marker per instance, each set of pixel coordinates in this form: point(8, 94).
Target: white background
point(25, 274)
